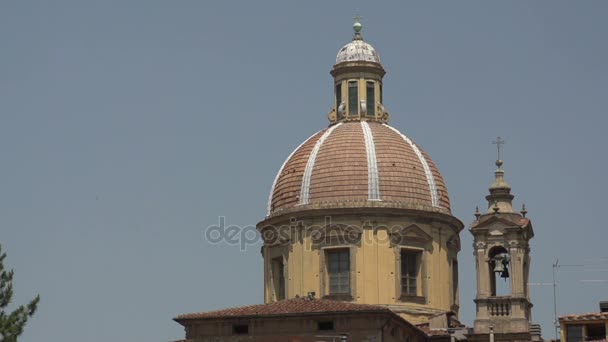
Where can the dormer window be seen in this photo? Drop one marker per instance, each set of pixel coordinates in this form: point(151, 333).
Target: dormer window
point(353, 98)
point(371, 99)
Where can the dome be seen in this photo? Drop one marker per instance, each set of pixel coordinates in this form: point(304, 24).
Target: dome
point(358, 164)
point(357, 50)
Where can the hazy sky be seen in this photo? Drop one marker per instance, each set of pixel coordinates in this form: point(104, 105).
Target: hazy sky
point(127, 127)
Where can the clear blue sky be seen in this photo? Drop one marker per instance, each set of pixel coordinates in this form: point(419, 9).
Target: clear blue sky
point(127, 127)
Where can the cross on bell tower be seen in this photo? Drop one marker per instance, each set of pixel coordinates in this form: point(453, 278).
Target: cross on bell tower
point(502, 256)
point(499, 141)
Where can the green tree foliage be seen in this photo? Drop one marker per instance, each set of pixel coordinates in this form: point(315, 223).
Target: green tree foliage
point(12, 323)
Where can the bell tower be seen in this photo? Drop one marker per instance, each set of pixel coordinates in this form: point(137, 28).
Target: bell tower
point(502, 258)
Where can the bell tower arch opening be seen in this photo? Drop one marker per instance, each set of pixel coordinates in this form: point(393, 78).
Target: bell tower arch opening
point(500, 282)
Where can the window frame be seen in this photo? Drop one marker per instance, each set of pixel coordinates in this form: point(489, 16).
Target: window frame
point(326, 326)
point(342, 270)
point(410, 272)
point(324, 280)
point(237, 329)
point(570, 328)
point(370, 103)
point(353, 102)
point(420, 295)
point(338, 93)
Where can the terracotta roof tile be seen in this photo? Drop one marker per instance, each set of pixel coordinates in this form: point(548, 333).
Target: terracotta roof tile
point(340, 173)
point(585, 316)
point(286, 307)
point(433, 332)
point(287, 189)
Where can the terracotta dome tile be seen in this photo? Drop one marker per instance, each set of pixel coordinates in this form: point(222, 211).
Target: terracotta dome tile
point(406, 176)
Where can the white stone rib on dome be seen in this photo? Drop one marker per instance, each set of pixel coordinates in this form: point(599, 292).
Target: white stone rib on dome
point(357, 50)
point(372, 164)
point(310, 164)
point(427, 170)
point(276, 178)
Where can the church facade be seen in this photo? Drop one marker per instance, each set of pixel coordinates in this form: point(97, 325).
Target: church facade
point(359, 231)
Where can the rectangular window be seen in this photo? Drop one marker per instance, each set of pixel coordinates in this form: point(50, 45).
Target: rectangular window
point(596, 332)
point(278, 277)
point(353, 98)
point(574, 333)
point(410, 261)
point(240, 329)
point(325, 325)
point(371, 99)
point(338, 95)
point(338, 266)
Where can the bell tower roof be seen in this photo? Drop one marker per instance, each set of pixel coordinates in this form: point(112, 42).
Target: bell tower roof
point(500, 198)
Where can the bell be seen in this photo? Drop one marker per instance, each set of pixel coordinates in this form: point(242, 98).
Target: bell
point(499, 267)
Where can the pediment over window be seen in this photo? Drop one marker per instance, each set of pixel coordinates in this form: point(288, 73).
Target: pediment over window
point(494, 222)
point(341, 229)
point(496, 229)
point(409, 233)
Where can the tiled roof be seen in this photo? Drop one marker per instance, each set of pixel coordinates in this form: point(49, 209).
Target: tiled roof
point(433, 332)
point(339, 173)
point(585, 316)
point(296, 306)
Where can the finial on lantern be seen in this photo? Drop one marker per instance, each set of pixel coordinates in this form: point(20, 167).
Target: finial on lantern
point(477, 213)
point(357, 27)
point(523, 210)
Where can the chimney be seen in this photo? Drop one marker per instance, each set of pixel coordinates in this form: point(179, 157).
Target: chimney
point(604, 306)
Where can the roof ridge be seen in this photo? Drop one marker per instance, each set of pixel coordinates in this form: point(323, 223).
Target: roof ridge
point(299, 305)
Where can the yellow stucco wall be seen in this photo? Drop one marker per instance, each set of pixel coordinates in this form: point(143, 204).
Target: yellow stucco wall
point(374, 261)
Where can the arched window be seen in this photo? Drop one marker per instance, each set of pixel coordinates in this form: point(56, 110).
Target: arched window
point(371, 98)
point(353, 98)
point(338, 95)
point(499, 271)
